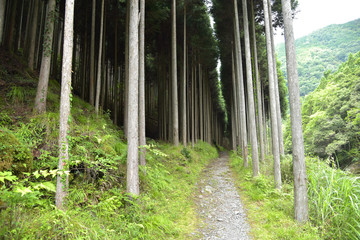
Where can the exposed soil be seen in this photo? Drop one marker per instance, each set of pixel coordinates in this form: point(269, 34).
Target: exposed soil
point(219, 205)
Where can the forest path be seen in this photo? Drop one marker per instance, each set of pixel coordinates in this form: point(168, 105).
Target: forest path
point(219, 205)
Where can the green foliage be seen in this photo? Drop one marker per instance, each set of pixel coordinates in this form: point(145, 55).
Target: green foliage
point(270, 210)
point(17, 94)
point(14, 155)
point(323, 50)
point(334, 201)
point(331, 113)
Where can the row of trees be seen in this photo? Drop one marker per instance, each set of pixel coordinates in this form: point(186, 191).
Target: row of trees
point(59, 44)
point(243, 60)
point(108, 42)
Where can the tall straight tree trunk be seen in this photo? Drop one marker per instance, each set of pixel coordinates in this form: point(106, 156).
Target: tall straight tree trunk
point(175, 117)
point(201, 110)
point(233, 128)
point(11, 27)
point(258, 88)
point(183, 89)
point(63, 179)
point(278, 108)
point(38, 47)
point(92, 56)
point(126, 67)
point(20, 24)
point(33, 35)
point(2, 18)
point(192, 108)
point(250, 93)
point(98, 81)
point(274, 123)
point(142, 134)
point(42, 88)
point(235, 100)
point(133, 101)
point(299, 169)
point(240, 87)
point(116, 74)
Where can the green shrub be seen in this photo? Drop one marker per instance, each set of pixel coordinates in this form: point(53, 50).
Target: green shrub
point(13, 154)
point(334, 200)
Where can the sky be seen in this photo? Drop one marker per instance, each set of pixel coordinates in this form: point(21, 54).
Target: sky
point(316, 14)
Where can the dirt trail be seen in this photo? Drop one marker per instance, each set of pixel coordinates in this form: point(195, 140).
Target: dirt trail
point(219, 205)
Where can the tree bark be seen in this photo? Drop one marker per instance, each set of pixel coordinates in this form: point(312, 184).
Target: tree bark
point(175, 117)
point(278, 106)
point(2, 18)
point(63, 180)
point(258, 89)
point(126, 67)
point(240, 86)
point(42, 88)
point(142, 135)
point(92, 56)
point(274, 123)
point(33, 35)
point(133, 101)
point(98, 81)
point(299, 169)
point(183, 105)
point(250, 93)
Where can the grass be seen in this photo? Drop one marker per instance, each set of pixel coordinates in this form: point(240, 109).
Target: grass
point(334, 200)
point(270, 212)
point(333, 194)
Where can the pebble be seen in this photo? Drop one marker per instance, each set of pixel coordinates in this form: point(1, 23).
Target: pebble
point(221, 209)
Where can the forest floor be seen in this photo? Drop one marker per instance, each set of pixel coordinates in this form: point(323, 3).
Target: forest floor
point(219, 205)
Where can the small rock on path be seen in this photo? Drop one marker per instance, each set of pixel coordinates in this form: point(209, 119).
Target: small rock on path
point(219, 205)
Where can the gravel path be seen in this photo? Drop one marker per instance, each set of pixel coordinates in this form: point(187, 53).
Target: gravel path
point(219, 205)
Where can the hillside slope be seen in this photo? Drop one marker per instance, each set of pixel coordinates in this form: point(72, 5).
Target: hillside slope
point(321, 51)
point(98, 206)
point(331, 115)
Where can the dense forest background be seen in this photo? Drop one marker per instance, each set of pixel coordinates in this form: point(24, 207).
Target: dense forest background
point(322, 50)
point(146, 106)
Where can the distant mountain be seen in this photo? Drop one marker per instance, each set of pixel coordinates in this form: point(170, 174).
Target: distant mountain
point(322, 50)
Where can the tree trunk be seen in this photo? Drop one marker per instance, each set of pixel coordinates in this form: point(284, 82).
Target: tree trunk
point(175, 117)
point(38, 47)
point(250, 93)
point(192, 108)
point(258, 89)
point(63, 179)
point(142, 133)
point(278, 108)
point(92, 56)
point(126, 67)
point(41, 94)
point(299, 169)
point(274, 123)
point(20, 24)
point(133, 101)
point(240, 86)
point(183, 105)
point(2, 18)
point(33, 35)
point(98, 81)
point(235, 101)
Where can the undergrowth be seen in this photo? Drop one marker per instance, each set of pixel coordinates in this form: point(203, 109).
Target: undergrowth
point(334, 204)
point(270, 211)
point(97, 204)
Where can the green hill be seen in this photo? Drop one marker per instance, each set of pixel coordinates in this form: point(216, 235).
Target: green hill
point(331, 115)
point(322, 50)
